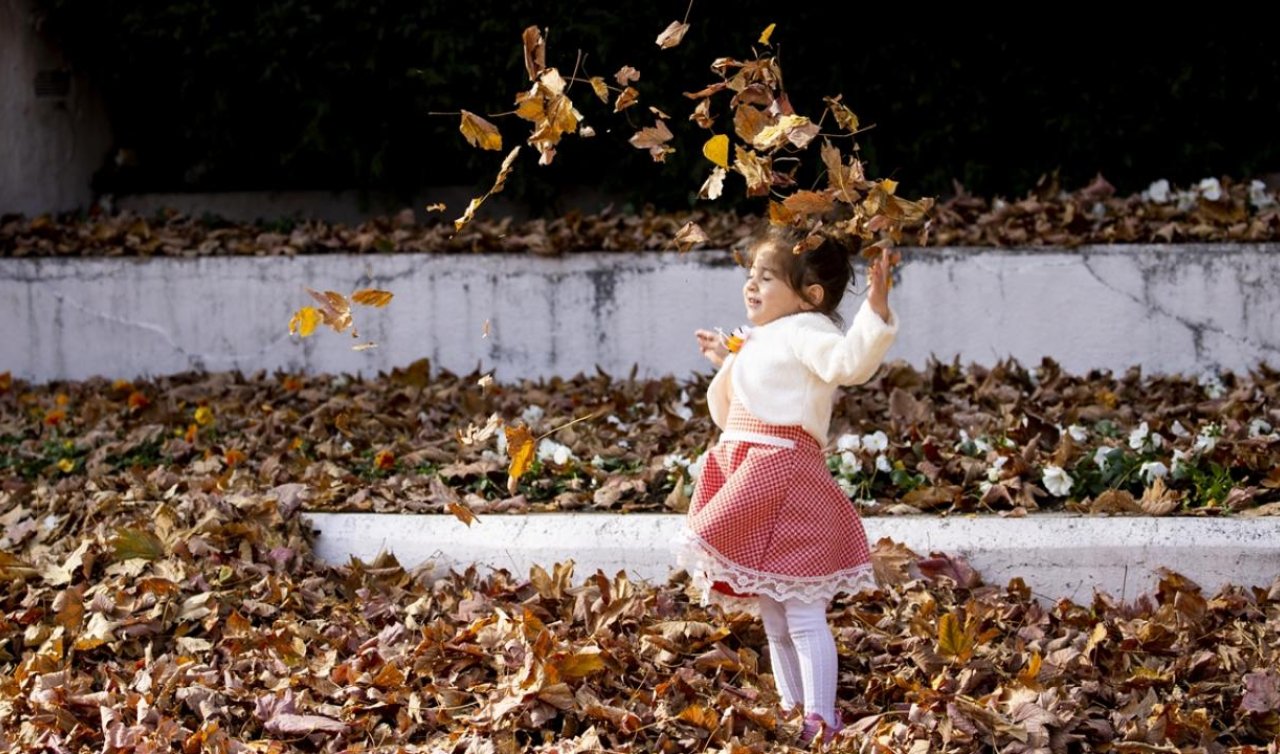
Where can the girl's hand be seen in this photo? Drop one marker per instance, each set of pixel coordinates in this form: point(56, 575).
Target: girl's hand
point(712, 346)
point(878, 282)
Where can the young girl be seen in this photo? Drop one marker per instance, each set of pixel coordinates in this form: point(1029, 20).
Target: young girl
point(769, 531)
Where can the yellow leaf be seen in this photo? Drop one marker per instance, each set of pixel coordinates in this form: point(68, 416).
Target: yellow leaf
point(204, 416)
point(304, 321)
point(843, 115)
point(520, 450)
point(600, 88)
point(757, 171)
point(699, 716)
point(779, 214)
point(581, 663)
point(372, 297)
point(953, 640)
point(480, 132)
point(889, 185)
point(717, 150)
point(66, 465)
point(672, 35)
point(1031, 672)
point(137, 543)
point(768, 32)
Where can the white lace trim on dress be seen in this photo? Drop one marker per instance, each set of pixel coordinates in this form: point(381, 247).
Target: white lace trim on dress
point(706, 566)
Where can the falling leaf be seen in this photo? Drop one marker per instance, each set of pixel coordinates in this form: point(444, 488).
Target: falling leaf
point(625, 75)
point(796, 130)
point(364, 346)
point(520, 451)
point(767, 33)
point(672, 35)
point(372, 297)
point(600, 88)
point(535, 52)
point(437, 207)
point(626, 98)
point(689, 236)
point(477, 435)
point(780, 215)
point(717, 150)
point(498, 184)
point(485, 382)
point(461, 512)
point(808, 203)
point(758, 172)
point(843, 115)
point(480, 132)
point(655, 140)
point(304, 321)
point(137, 543)
point(714, 185)
point(486, 329)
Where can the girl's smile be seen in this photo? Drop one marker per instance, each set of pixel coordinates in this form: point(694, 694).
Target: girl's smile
point(767, 294)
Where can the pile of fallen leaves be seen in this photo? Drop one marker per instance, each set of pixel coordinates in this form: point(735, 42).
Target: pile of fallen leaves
point(1045, 217)
point(145, 614)
point(942, 439)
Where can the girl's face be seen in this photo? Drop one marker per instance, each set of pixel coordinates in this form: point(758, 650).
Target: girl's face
point(767, 293)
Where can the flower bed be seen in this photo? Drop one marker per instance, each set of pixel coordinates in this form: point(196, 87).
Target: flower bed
point(945, 439)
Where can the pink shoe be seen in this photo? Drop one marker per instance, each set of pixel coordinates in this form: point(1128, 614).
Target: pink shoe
point(813, 722)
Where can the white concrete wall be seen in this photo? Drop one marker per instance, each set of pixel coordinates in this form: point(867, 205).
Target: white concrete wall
point(1170, 309)
point(1058, 556)
point(49, 146)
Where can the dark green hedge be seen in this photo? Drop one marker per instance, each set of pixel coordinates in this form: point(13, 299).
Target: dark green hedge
point(211, 95)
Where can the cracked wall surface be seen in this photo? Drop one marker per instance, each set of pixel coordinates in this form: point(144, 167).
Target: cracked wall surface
point(1182, 309)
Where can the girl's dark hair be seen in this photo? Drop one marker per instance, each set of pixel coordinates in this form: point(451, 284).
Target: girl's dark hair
point(829, 264)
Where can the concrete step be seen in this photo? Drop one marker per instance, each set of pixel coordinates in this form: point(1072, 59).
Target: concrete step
point(1058, 555)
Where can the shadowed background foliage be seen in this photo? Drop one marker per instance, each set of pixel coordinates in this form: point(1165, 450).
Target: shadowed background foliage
point(207, 95)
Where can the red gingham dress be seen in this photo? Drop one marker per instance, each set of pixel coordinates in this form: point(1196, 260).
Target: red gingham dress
point(771, 520)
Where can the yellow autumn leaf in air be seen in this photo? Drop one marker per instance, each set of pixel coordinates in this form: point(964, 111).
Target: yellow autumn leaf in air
point(372, 297)
point(889, 185)
point(520, 450)
point(480, 132)
point(717, 150)
point(304, 321)
point(768, 32)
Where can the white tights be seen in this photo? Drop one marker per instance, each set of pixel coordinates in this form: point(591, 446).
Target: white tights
point(803, 653)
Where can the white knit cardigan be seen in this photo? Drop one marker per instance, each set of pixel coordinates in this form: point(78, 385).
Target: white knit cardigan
point(787, 371)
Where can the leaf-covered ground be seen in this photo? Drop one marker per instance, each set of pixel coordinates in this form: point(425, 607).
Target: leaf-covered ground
point(1214, 211)
point(155, 616)
point(946, 438)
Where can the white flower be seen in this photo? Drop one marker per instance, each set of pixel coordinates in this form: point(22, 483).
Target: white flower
point(876, 442)
point(1179, 460)
point(1156, 440)
point(1152, 470)
point(557, 453)
point(867, 502)
point(1138, 437)
point(1212, 385)
point(347, 446)
point(1078, 433)
point(532, 415)
point(1207, 439)
point(1259, 197)
point(1259, 427)
point(1098, 210)
point(1008, 442)
point(993, 473)
point(850, 464)
point(882, 463)
point(597, 460)
point(847, 486)
point(1057, 481)
point(982, 445)
point(1100, 457)
point(1186, 200)
point(1178, 430)
point(682, 409)
point(624, 444)
point(674, 460)
point(1157, 192)
point(1210, 189)
point(502, 444)
point(850, 442)
point(984, 485)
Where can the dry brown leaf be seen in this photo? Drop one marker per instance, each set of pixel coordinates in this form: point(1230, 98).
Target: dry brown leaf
point(672, 35)
point(480, 132)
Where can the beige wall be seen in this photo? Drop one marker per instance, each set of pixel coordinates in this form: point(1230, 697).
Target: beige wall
point(49, 146)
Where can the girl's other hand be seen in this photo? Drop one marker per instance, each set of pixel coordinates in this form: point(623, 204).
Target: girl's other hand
point(878, 281)
point(712, 346)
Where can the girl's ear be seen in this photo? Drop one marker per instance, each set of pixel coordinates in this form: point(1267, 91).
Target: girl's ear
point(813, 294)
